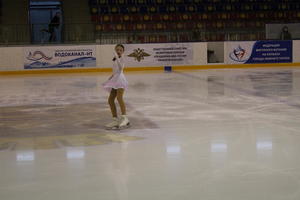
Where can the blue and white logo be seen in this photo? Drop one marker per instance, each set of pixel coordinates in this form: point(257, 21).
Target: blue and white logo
point(239, 55)
point(37, 56)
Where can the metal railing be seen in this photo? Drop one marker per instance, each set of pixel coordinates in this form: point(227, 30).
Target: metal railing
point(13, 34)
point(86, 33)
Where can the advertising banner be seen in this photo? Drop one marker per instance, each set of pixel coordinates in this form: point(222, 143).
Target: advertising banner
point(161, 54)
point(259, 52)
point(59, 57)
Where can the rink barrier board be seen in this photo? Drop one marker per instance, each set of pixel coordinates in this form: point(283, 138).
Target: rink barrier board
point(13, 60)
point(232, 66)
point(145, 69)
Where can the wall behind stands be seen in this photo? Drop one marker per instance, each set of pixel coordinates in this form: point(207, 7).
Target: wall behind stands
point(12, 58)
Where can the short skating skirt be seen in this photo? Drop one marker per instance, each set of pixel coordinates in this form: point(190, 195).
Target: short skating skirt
point(116, 82)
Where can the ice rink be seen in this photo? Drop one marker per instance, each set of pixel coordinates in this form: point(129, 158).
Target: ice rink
point(226, 134)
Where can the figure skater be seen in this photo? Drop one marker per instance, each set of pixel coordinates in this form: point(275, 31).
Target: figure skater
point(116, 85)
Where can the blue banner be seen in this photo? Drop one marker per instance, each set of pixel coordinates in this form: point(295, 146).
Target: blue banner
point(272, 52)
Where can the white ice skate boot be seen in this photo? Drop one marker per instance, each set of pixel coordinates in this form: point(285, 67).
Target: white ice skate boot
point(124, 122)
point(114, 124)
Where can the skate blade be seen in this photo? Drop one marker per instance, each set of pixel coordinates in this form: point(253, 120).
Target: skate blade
point(124, 127)
point(112, 128)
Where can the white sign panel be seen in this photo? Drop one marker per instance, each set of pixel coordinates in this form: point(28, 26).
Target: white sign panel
point(238, 52)
point(59, 57)
point(159, 54)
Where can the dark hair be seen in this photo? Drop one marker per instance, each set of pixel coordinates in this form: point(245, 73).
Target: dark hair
point(285, 28)
point(120, 45)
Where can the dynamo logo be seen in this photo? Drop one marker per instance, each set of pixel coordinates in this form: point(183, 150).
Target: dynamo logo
point(37, 55)
point(238, 54)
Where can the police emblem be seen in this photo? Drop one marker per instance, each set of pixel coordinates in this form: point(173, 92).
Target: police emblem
point(138, 54)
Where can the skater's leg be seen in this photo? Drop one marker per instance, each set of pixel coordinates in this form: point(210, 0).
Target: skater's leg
point(124, 122)
point(120, 93)
point(111, 102)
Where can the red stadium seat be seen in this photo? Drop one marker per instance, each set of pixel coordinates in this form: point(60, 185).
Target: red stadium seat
point(117, 18)
point(94, 18)
point(183, 38)
point(157, 17)
point(162, 38)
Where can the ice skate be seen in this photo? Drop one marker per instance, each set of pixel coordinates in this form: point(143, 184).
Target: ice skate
point(124, 122)
point(113, 125)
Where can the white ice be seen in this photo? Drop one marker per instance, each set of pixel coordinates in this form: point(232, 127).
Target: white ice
point(230, 134)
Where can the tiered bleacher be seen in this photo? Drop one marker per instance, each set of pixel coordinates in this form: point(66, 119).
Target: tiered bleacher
point(190, 20)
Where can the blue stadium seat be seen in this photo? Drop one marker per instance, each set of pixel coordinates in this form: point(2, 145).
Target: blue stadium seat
point(181, 8)
point(104, 10)
point(124, 9)
point(162, 9)
point(143, 9)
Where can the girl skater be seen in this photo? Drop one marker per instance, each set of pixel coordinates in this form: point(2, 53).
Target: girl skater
point(116, 85)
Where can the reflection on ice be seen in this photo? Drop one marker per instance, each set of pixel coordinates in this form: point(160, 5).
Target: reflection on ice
point(173, 149)
point(263, 145)
point(215, 86)
point(75, 153)
point(278, 83)
point(218, 147)
point(25, 156)
point(264, 149)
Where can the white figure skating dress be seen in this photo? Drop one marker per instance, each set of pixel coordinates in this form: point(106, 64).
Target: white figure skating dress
point(118, 79)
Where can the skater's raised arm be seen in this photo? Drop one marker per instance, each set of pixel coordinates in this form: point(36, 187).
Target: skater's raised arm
point(120, 61)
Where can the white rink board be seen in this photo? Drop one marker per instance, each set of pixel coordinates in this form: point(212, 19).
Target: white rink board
point(12, 57)
point(104, 55)
point(200, 53)
point(296, 51)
